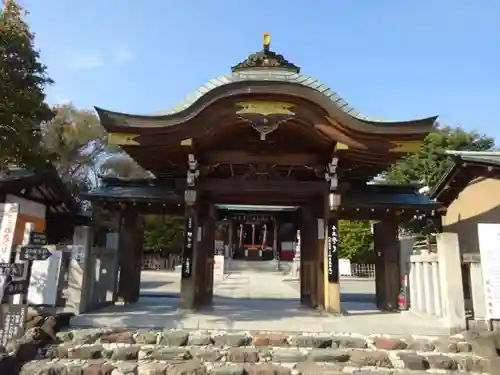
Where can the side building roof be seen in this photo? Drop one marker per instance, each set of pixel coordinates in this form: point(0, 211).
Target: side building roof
point(42, 185)
point(467, 166)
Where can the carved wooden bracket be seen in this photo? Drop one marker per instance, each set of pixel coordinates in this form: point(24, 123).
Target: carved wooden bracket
point(193, 171)
point(331, 174)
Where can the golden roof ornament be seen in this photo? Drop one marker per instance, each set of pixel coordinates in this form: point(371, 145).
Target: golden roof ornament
point(266, 59)
point(266, 39)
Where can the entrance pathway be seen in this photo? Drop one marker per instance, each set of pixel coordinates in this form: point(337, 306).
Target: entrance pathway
point(254, 296)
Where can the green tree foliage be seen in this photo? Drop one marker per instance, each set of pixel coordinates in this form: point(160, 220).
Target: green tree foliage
point(164, 234)
point(23, 79)
point(355, 240)
point(429, 164)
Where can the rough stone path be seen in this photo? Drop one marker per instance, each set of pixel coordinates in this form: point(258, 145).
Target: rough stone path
point(178, 352)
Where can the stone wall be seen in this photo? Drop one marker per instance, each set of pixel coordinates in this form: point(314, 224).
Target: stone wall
point(177, 352)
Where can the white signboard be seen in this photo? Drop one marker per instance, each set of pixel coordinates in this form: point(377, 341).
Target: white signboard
point(345, 267)
point(219, 247)
point(8, 218)
point(218, 267)
point(44, 280)
point(489, 247)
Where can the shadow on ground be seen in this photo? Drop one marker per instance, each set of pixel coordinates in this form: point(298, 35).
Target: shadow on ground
point(155, 284)
point(239, 306)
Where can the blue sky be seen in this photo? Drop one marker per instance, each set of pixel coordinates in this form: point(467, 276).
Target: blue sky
point(390, 59)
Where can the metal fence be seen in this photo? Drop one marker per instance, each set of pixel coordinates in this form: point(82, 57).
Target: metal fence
point(158, 262)
point(362, 270)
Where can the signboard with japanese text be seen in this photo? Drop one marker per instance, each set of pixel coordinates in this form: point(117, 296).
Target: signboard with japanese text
point(44, 280)
point(16, 287)
point(489, 248)
point(31, 252)
point(38, 238)
point(8, 218)
point(188, 251)
point(333, 251)
point(12, 269)
point(12, 322)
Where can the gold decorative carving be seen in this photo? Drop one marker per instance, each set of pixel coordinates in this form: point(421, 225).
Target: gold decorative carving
point(405, 146)
point(264, 108)
point(188, 142)
point(123, 139)
point(341, 146)
point(264, 116)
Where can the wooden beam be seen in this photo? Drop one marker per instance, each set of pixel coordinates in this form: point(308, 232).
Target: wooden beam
point(219, 185)
point(382, 213)
point(242, 157)
point(262, 199)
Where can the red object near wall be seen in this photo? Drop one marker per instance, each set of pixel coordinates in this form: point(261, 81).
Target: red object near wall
point(287, 254)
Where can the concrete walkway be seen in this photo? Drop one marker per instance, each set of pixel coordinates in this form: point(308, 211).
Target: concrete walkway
point(256, 297)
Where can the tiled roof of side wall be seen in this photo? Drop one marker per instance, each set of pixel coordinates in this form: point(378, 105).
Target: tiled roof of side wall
point(264, 75)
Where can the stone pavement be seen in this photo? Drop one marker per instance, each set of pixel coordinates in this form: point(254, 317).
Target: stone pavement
point(255, 296)
point(178, 352)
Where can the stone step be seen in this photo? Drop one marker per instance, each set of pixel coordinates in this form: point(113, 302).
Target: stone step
point(180, 352)
point(196, 367)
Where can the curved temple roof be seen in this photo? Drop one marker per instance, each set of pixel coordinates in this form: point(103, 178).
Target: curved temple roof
point(258, 69)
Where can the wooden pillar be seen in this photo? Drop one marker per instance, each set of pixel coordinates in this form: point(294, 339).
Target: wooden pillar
point(230, 240)
point(305, 263)
point(331, 264)
point(138, 258)
point(205, 281)
point(190, 254)
point(320, 252)
point(387, 275)
point(190, 268)
point(331, 205)
point(130, 256)
point(275, 237)
point(308, 258)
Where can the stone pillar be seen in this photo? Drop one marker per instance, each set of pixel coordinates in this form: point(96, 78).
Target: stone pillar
point(78, 278)
point(477, 290)
point(450, 277)
point(405, 252)
point(113, 243)
point(387, 266)
point(130, 256)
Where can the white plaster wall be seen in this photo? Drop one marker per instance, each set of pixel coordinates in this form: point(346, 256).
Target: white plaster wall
point(27, 207)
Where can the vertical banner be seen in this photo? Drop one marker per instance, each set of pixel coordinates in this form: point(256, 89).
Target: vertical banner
point(489, 248)
point(187, 253)
point(333, 251)
point(8, 219)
